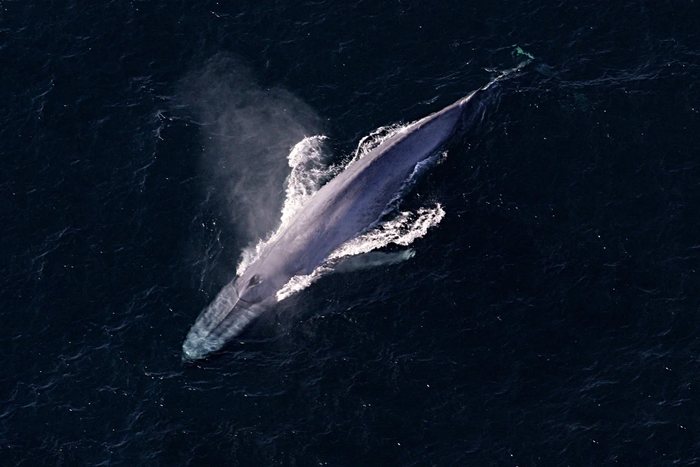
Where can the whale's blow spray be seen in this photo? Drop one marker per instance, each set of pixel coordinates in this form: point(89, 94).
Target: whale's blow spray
point(247, 130)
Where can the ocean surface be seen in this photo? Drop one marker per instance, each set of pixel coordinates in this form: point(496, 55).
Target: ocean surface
point(544, 312)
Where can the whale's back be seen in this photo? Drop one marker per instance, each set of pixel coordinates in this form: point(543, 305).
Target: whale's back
point(356, 198)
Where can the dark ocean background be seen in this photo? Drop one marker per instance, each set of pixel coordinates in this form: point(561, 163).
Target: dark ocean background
point(550, 319)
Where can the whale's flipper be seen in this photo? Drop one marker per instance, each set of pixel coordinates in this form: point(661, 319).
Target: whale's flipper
point(372, 259)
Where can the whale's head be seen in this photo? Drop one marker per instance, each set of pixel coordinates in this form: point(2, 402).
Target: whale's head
point(240, 302)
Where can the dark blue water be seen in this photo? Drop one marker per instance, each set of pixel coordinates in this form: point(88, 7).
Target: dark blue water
point(550, 319)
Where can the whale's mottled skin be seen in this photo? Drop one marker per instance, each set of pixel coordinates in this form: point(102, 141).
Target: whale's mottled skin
point(343, 208)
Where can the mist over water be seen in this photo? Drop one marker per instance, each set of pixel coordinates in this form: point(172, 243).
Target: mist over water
point(247, 132)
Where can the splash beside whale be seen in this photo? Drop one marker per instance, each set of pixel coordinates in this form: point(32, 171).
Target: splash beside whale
point(345, 207)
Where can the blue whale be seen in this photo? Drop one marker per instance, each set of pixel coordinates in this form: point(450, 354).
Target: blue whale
point(343, 208)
